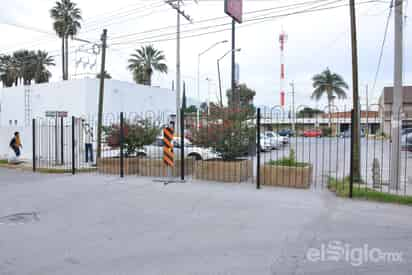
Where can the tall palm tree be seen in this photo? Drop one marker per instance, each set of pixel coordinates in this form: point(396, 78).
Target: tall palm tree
point(67, 17)
point(144, 62)
point(330, 84)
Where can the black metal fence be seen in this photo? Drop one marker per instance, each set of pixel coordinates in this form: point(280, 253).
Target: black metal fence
point(264, 146)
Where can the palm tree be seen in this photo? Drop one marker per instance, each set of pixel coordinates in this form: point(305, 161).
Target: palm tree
point(25, 66)
point(8, 71)
point(144, 62)
point(330, 84)
point(67, 17)
point(42, 61)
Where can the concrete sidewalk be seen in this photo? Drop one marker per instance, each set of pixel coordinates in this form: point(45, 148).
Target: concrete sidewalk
point(90, 224)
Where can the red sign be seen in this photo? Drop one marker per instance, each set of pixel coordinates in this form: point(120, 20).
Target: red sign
point(282, 99)
point(234, 9)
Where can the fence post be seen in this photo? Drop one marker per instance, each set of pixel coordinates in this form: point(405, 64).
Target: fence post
point(73, 145)
point(351, 156)
point(62, 140)
point(258, 149)
point(121, 145)
point(34, 144)
point(182, 144)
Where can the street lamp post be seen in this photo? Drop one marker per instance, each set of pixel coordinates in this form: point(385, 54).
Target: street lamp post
point(198, 75)
point(218, 73)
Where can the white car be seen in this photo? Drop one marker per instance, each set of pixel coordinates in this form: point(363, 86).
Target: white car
point(274, 140)
point(275, 136)
point(265, 144)
point(155, 150)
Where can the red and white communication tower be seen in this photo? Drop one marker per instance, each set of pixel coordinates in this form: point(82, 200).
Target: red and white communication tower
point(282, 39)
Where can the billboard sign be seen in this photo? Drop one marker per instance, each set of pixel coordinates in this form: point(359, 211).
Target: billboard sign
point(234, 9)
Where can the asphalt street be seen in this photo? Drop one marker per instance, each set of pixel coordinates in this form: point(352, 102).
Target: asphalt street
point(93, 224)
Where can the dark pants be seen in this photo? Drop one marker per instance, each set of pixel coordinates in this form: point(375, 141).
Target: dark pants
point(89, 152)
point(16, 151)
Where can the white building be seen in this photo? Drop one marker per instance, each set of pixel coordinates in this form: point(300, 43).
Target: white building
point(79, 98)
point(18, 105)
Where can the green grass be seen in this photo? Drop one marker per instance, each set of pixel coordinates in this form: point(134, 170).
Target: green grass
point(287, 162)
point(4, 161)
point(360, 191)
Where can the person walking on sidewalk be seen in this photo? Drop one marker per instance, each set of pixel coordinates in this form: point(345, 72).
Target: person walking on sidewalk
point(15, 144)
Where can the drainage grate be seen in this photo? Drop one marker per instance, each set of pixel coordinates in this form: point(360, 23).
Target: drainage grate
point(20, 218)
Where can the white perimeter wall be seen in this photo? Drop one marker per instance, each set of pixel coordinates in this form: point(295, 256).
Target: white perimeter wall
point(79, 98)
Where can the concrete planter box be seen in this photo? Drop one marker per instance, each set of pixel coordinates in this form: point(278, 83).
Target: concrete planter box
point(297, 177)
point(142, 167)
point(223, 171)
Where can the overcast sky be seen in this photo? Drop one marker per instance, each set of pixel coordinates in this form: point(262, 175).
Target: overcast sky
point(315, 41)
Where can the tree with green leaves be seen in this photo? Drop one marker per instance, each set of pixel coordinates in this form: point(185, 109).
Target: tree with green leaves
point(331, 85)
point(137, 134)
point(244, 95)
point(308, 112)
point(67, 17)
point(24, 66)
point(42, 60)
point(144, 62)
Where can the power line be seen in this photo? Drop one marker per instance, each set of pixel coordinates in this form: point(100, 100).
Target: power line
point(207, 27)
point(252, 21)
point(216, 19)
point(382, 48)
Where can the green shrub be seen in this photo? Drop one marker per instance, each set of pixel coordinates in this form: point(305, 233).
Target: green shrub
point(228, 133)
point(289, 161)
point(136, 135)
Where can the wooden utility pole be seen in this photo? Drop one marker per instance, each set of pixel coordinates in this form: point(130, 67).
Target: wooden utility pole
point(101, 95)
point(355, 146)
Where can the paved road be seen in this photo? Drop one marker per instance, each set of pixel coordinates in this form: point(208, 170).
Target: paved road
point(90, 224)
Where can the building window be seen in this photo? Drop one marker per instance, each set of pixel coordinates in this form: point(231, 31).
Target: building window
point(15, 122)
point(10, 122)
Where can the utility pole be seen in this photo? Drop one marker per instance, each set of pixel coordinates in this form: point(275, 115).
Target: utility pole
point(235, 94)
point(397, 96)
point(220, 85)
point(292, 84)
point(179, 12)
point(101, 95)
point(355, 146)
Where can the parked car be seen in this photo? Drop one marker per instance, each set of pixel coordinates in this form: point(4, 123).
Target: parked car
point(348, 134)
point(406, 131)
point(312, 133)
point(276, 137)
point(286, 133)
point(265, 144)
point(345, 134)
point(155, 150)
point(406, 141)
point(275, 141)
